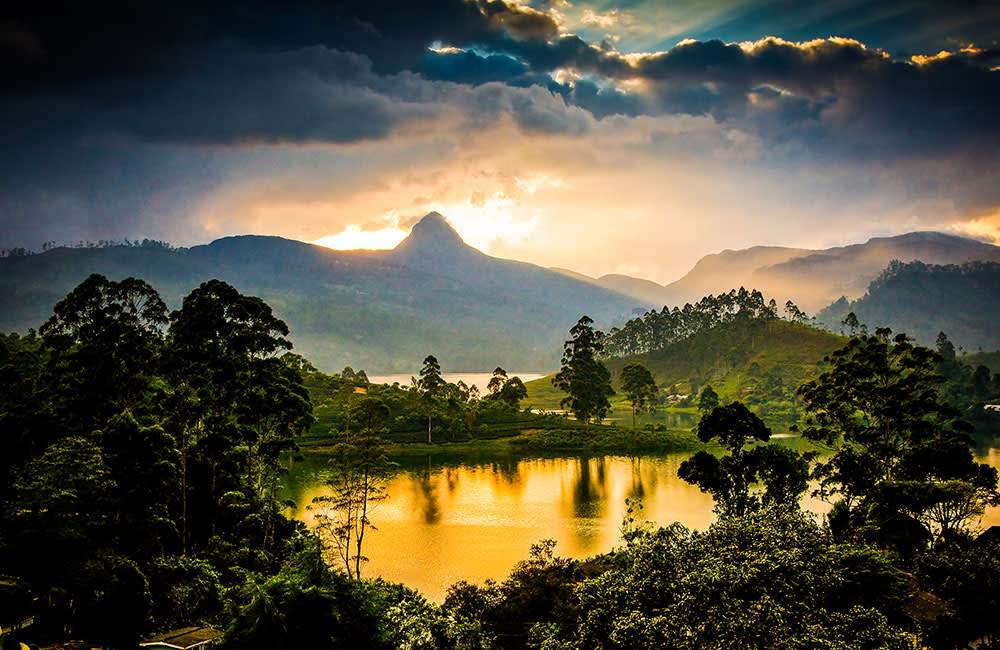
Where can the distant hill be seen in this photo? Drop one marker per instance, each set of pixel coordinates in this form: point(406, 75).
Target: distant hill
point(382, 311)
point(811, 278)
point(719, 272)
point(759, 361)
point(826, 275)
point(963, 301)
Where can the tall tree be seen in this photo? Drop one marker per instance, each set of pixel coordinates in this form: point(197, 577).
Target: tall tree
point(235, 404)
point(901, 450)
point(639, 387)
point(584, 378)
point(430, 384)
point(105, 339)
point(497, 381)
point(357, 479)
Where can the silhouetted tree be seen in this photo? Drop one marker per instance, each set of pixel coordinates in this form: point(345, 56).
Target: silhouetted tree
point(584, 377)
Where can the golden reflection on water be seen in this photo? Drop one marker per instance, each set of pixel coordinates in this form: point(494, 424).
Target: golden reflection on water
point(473, 522)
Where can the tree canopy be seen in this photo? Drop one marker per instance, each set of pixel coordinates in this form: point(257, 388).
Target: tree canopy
point(584, 378)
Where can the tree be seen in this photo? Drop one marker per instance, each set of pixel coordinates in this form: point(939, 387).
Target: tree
point(357, 477)
point(430, 383)
point(851, 322)
point(497, 381)
point(582, 375)
point(105, 339)
point(794, 314)
point(235, 404)
point(781, 473)
point(708, 400)
point(506, 390)
point(771, 579)
point(901, 450)
point(639, 387)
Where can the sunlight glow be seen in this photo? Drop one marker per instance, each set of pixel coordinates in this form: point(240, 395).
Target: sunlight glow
point(986, 227)
point(481, 221)
point(353, 238)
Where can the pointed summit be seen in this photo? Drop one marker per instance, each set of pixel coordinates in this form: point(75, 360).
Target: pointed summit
point(431, 241)
point(433, 228)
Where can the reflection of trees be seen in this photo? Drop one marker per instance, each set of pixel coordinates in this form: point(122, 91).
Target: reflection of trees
point(638, 488)
point(426, 498)
point(451, 477)
point(508, 473)
point(589, 487)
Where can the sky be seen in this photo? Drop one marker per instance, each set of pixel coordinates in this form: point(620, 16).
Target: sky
point(605, 137)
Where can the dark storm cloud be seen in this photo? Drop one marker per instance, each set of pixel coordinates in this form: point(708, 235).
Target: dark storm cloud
point(468, 67)
point(45, 43)
point(112, 110)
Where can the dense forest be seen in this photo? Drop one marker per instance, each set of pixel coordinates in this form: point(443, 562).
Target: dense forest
point(140, 458)
point(924, 299)
point(655, 330)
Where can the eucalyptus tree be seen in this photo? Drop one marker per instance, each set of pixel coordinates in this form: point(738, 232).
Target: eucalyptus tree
point(583, 376)
point(358, 469)
point(430, 384)
point(235, 404)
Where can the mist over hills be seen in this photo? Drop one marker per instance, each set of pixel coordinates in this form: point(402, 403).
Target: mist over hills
point(963, 301)
point(382, 311)
point(813, 279)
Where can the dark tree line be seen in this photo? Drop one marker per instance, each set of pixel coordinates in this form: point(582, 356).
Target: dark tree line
point(20, 251)
point(658, 329)
point(139, 456)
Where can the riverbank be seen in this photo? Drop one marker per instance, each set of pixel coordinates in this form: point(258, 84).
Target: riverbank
point(563, 436)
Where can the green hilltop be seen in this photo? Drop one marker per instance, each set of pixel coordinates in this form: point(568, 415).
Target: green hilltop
point(759, 361)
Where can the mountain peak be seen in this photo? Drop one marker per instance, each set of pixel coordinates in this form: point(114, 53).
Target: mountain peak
point(433, 227)
point(432, 236)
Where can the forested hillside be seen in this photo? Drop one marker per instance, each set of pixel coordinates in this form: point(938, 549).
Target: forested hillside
point(963, 301)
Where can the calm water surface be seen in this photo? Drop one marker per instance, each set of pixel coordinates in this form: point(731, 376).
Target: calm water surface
point(477, 379)
point(445, 522)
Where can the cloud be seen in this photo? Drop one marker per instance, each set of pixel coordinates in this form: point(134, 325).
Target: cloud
point(304, 119)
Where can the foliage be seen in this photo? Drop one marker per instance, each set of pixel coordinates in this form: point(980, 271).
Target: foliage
point(771, 579)
point(902, 451)
point(140, 487)
point(506, 390)
point(582, 375)
point(639, 387)
point(781, 473)
point(708, 400)
point(657, 329)
point(357, 474)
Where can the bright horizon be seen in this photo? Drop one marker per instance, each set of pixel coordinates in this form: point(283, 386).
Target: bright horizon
point(597, 136)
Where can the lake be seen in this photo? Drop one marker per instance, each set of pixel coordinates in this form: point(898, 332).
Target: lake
point(450, 521)
point(477, 379)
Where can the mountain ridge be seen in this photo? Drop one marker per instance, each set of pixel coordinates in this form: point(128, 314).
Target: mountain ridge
point(811, 278)
point(378, 310)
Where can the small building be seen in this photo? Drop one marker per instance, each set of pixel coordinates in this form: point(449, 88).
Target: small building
point(185, 638)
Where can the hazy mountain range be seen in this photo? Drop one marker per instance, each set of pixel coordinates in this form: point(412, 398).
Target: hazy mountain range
point(812, 279)
point(921, 300)
point(383, 311)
